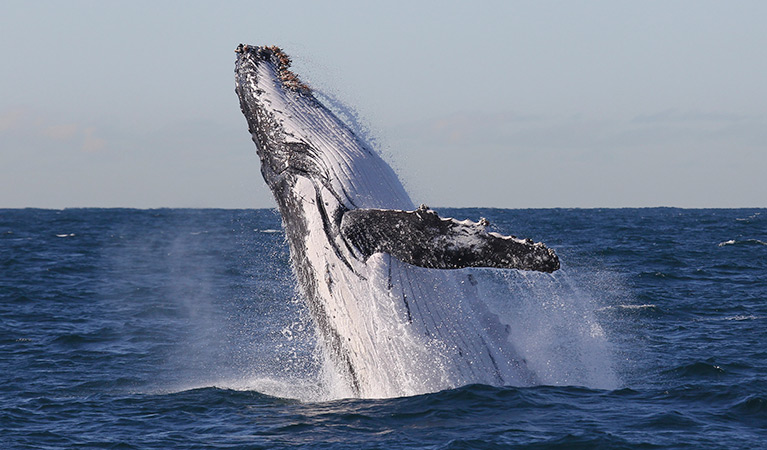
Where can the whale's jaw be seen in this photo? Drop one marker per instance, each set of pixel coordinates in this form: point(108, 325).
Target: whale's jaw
point(261, 90)
point(391, 328)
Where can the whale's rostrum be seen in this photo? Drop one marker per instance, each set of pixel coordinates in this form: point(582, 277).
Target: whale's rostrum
point(374, 270)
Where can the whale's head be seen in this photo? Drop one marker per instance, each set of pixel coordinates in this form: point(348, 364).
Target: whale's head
point(299, 140)
point(273, 99)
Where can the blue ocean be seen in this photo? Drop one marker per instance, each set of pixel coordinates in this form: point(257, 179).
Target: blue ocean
point(182, 328)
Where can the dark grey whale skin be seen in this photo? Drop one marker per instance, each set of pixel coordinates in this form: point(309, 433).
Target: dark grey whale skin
point(422, 238)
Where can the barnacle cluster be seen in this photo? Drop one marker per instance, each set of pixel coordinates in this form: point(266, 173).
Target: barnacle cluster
point(289, 79)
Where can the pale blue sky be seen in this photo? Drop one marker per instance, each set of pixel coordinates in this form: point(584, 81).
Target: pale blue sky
point(508, 104)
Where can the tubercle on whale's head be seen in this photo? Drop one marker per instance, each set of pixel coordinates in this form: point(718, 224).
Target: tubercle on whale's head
point(279, 59)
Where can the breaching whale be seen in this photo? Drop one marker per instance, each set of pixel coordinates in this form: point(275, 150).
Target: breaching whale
point(378, 274)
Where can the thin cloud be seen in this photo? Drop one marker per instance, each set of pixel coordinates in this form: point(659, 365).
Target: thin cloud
point(61, 132)
point(675, 116)
point(667, 129)
point(91, 143)
point(25, 127)
point(12, 119)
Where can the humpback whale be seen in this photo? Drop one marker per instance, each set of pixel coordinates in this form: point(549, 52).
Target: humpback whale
point(381, 278)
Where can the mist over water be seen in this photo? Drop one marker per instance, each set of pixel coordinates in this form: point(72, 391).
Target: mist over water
point(239, 321)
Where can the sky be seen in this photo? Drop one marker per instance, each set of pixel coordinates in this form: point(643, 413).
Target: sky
point(512, 104)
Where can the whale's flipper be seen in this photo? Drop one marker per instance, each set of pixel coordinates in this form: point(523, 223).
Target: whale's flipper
point(424, 239)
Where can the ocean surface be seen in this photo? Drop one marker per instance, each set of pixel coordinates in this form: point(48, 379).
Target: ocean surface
point(181, 328)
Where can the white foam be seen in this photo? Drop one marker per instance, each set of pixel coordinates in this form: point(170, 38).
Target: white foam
point(742, 317)
point(629, 307)
point(744, 241)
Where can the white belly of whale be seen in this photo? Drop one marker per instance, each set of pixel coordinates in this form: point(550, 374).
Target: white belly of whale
point(408, 330)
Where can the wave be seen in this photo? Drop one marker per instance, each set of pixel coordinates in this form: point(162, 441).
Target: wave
point(628, 307)
point(748, 219)
point(288, 388)
point(742, 242)
point(697, 369)
point(742, 317)
point(753, 405)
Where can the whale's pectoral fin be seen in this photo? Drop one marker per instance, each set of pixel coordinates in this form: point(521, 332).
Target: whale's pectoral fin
point(424, 239)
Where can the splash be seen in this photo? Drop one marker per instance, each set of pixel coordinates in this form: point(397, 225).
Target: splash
point(554, 324)
point(266, 341)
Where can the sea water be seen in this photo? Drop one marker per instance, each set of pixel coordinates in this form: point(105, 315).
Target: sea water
point(182, 328)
